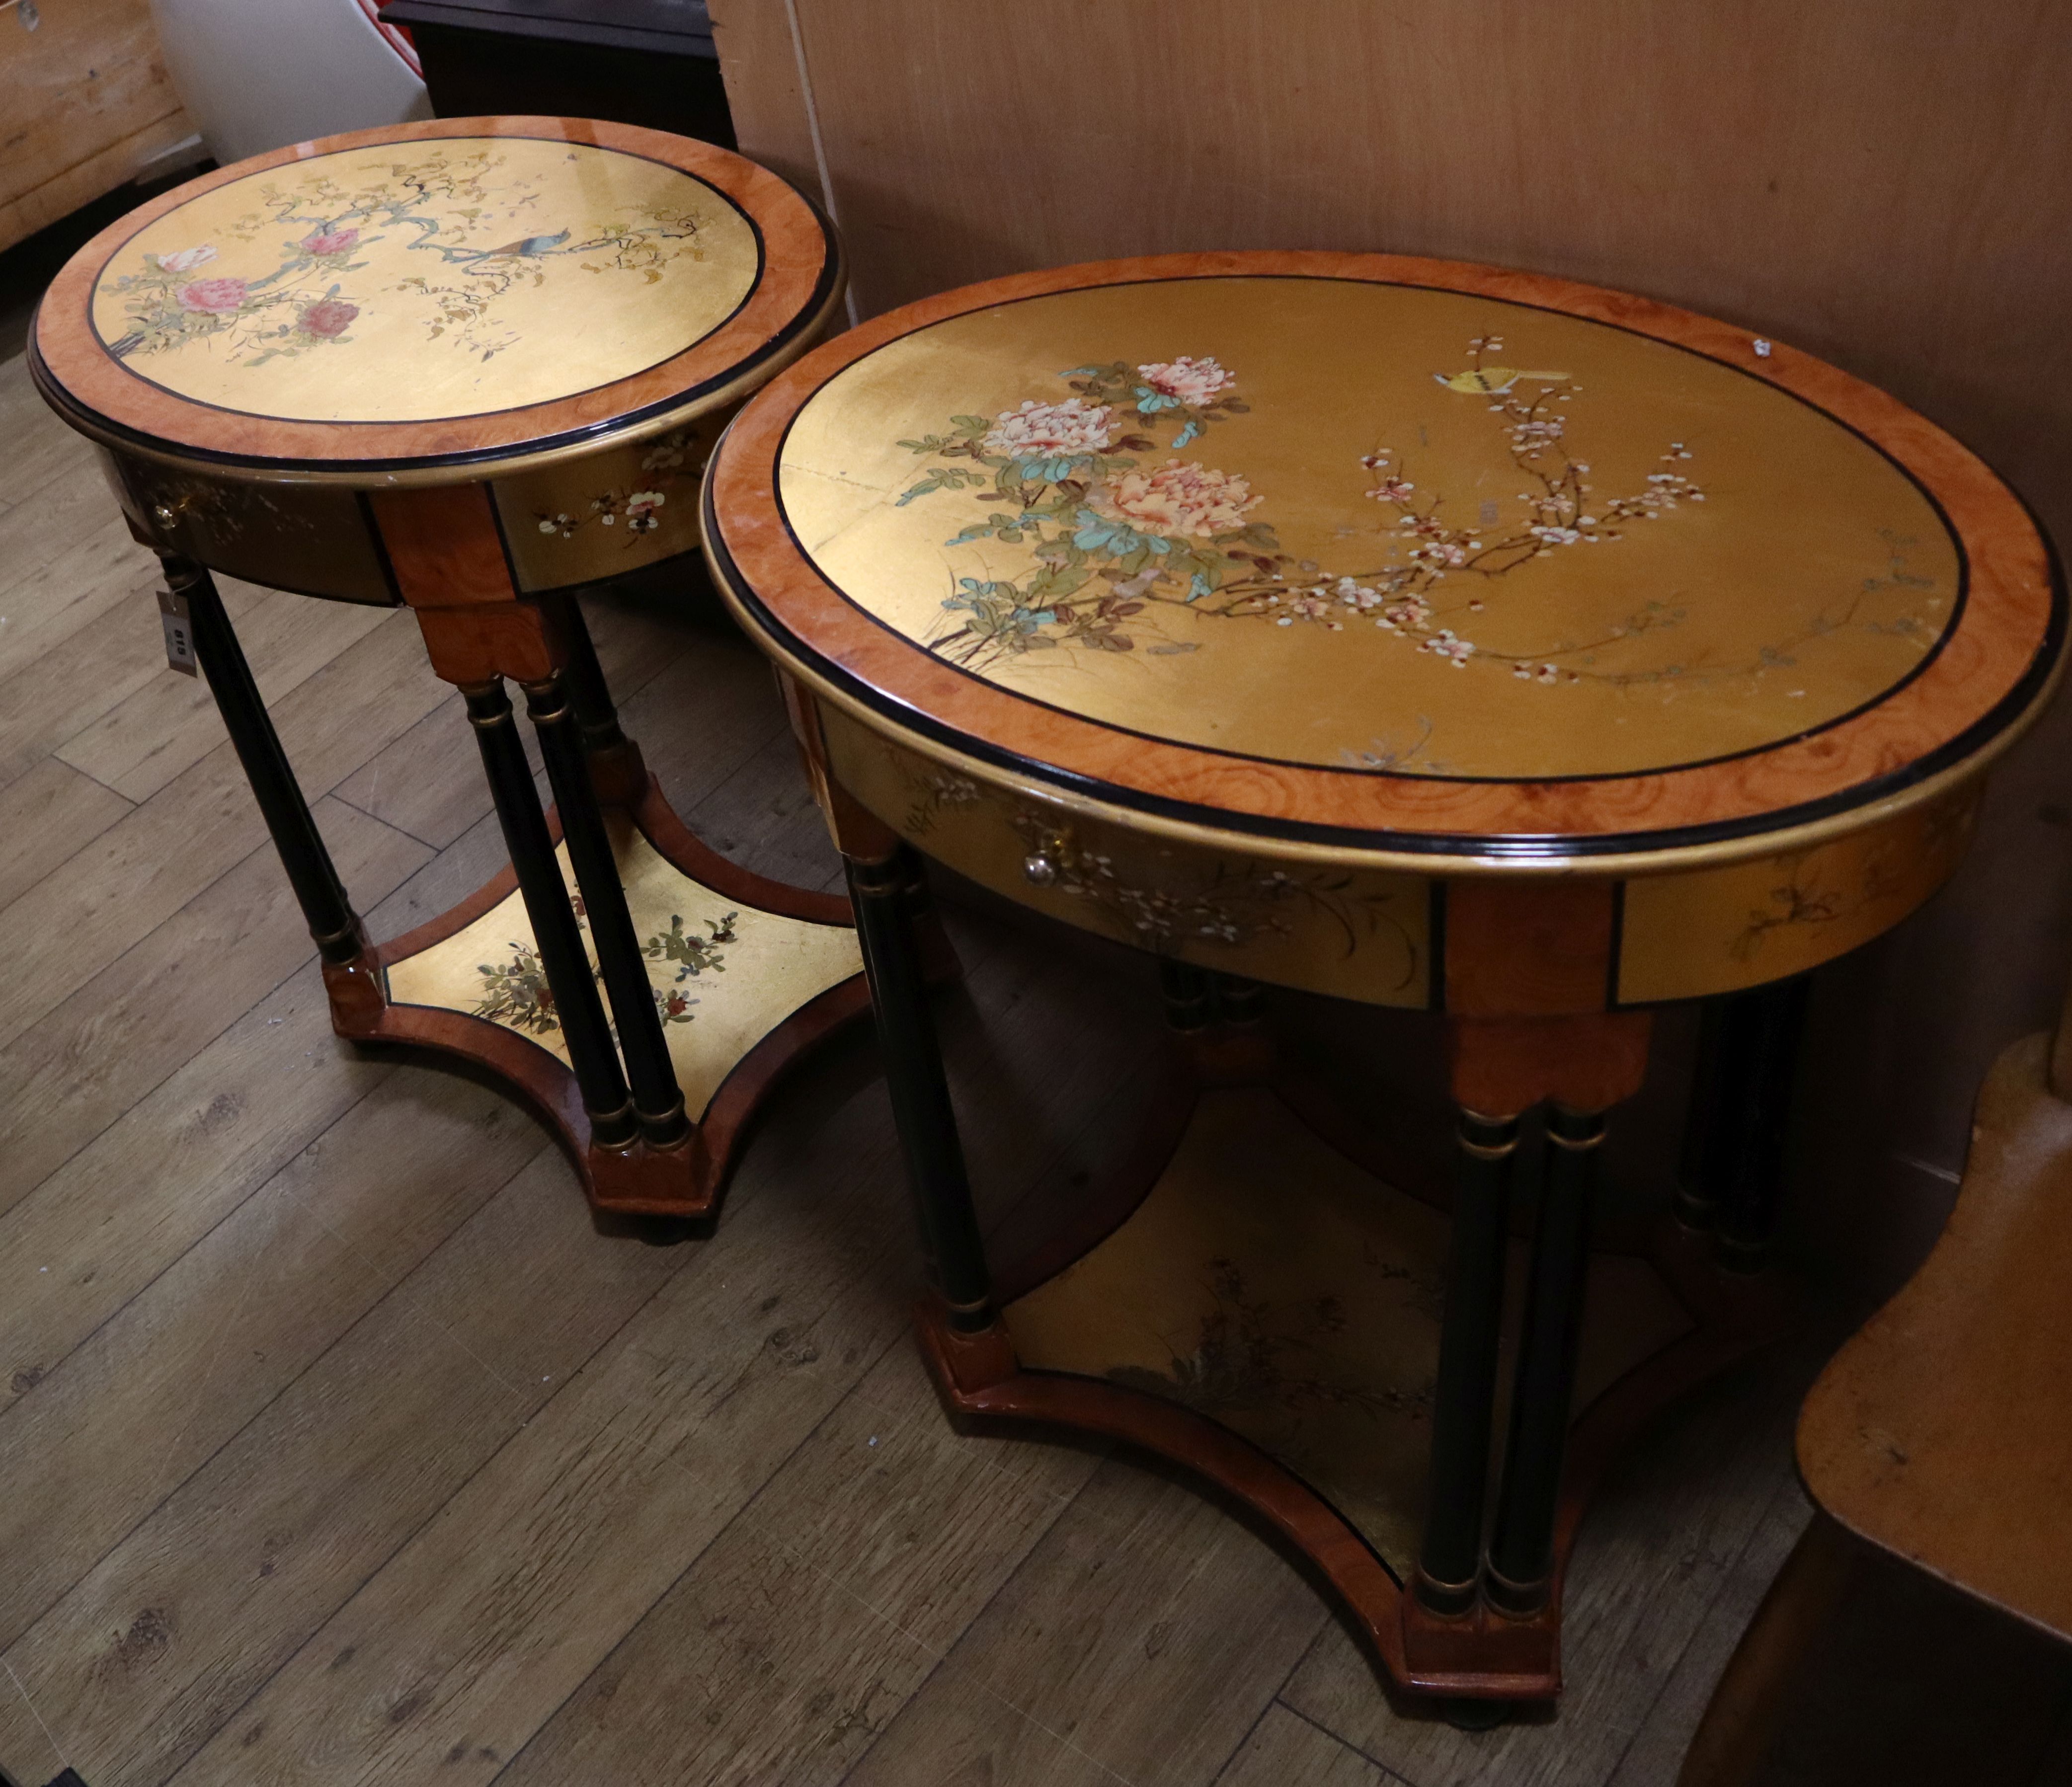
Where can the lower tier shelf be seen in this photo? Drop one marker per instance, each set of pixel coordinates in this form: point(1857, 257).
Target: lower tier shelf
point(1269, 1315)
point(746, 974)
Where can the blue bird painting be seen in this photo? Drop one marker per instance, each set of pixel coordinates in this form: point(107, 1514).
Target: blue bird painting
point(512, 251)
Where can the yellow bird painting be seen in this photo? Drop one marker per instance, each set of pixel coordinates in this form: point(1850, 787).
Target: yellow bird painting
point(1493, 380)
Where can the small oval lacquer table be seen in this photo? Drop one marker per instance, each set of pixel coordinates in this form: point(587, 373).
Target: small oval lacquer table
point(468, 367)
point(1420, 633)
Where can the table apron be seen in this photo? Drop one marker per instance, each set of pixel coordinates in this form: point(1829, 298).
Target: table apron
point(573, 522)
point(1524, 945)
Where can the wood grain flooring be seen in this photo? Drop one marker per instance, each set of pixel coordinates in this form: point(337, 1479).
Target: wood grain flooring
point(338, 1446)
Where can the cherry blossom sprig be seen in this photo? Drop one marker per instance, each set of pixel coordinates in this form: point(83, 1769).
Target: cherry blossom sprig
point(661, 466)
point(440, 202)
point(1112, 539)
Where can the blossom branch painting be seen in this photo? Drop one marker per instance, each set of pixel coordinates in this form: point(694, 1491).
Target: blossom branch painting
point(515, 993)
point(662, 464)
point(321, 228)
point(1116, 532)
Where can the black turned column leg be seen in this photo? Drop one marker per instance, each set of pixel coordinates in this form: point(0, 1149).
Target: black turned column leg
point(1196, 998)
point(1190, 995)
point(921, 1111)
point(331, 920)
point(616, 767)
point(1760, 1034)
point(554, 929)
point(1450, 1563)
point(1696, 1194)
point(1239, 1000)
point(1522, 1549)
point(658, 1102)
point(1219, 1021)
point(596, 718)
point(1733, 1163)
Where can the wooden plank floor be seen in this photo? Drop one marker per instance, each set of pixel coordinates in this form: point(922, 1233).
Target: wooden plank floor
point(337, 1445)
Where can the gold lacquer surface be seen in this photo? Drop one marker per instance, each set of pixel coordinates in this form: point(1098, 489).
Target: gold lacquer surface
point(1721, 930)
point(610, 512)
point(312, 539)
point(1358, 934)
point(449, 277)
point(1272, 1285)
point(723, 975)
point(1341, 523)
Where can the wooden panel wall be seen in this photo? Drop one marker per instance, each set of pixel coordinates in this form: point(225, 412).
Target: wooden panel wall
point(84, 105)
point(1887, 183)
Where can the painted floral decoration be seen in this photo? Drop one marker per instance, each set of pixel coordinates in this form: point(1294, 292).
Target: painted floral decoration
point(1230, 905)
point(662, 464)
point(327, 317)
point(294, 297)
point(213, 297)
point(1180, 383)
point(515, 992)
point(1042, 434)
point(1114, 542)
point(1179, 498)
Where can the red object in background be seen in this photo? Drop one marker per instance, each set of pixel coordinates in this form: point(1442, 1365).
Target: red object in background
point(398, 36)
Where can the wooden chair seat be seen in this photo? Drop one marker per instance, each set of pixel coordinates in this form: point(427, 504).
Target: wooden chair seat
point(1943, 1432)
point(1940, 1436)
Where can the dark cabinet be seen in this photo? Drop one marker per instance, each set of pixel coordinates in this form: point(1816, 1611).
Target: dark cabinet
point(645, 62)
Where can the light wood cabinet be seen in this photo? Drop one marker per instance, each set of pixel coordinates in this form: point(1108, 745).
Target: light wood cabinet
point(85, 104)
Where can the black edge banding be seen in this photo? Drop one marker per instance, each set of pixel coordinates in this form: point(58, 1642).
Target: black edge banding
point(1511, 847)
point(1957, 606)
point(1499, 847)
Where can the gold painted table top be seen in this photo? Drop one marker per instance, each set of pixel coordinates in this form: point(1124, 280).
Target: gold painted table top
point(452, 278)
point(492, 286)
point(1285, 538)
point(1338, 523)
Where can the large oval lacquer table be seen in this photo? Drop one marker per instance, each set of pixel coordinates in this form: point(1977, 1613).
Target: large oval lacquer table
point(1420, 634)
point(469, 367)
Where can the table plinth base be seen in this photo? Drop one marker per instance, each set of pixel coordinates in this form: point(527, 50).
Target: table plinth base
point(1266, 1314)
point(748, 974)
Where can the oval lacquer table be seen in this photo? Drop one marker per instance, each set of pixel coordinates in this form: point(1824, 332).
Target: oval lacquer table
point(1420, 633)
point(468, 367)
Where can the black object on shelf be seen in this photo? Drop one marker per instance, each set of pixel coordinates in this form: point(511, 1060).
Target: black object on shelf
point(643, 62)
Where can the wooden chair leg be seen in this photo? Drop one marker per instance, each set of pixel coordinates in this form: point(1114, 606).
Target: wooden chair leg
point(1742, 1719)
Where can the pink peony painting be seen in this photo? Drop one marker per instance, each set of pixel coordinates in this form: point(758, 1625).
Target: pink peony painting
point(1051, 430)
point(1117, 551)
point(1188, 381)
point(328, 317)
point(1180, 497)
point(213, 297)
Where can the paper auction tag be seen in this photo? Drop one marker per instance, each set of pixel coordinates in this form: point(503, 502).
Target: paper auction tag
point(179, 633)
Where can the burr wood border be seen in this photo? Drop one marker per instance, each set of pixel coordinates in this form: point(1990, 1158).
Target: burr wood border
point(1990, 679)
point(799, 279)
